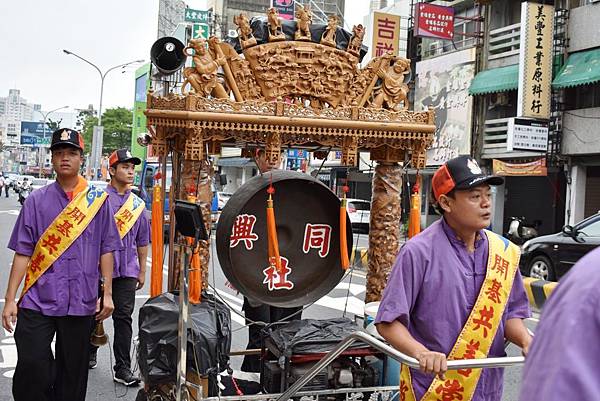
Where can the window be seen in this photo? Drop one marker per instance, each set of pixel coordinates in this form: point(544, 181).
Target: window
point(591, 230)
point(582, 97)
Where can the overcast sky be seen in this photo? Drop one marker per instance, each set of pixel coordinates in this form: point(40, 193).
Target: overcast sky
point(106, 32)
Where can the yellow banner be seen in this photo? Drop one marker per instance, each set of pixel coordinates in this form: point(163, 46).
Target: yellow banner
point(128, 214)
point(62, 232)
point(386, 34)
point(534, 168)
point(476, 337)
point(535, 60)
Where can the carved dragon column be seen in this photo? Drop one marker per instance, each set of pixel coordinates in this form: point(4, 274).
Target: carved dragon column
point(196, 178)
point(384, 232)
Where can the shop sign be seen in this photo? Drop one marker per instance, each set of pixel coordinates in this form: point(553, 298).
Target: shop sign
point(386, 34)
point(285, 8)
point(435, 21)
point(527, 134)
point(535, 60)
point(534, 168)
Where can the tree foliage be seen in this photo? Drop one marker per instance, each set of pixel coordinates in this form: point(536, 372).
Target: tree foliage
point(53, 125)
point(117, 129)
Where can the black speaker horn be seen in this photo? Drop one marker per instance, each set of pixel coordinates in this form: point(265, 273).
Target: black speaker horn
point(167, 55)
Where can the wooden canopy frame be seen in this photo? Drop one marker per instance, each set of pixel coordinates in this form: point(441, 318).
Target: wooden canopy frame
point(301, 94)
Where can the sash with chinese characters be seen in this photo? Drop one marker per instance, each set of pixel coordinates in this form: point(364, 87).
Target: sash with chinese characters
point(128, 214)
point(62, 232)
point(476, 337)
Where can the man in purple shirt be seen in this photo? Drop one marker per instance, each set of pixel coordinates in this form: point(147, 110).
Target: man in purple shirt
point(64, 299)
point(561, 364)
point(130, 263)
point(437, 278)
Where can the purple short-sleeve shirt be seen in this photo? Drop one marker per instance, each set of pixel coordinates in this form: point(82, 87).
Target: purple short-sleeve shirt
point(70, 286)
point(432, 289)
point(561, 364)
point(126, 259)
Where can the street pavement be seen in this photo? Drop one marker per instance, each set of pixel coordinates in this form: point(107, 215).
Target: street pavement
point(346, 299)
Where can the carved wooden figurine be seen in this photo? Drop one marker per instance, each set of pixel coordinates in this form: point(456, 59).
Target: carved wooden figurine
point(393, 90)
point(275, 31)
point(247, 39)
point(358, 32)
point(303, 20)
point(328, 37)
point(203, 76)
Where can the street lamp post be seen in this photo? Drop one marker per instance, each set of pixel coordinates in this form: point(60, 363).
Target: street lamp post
point(45, 115)
point(97, 136)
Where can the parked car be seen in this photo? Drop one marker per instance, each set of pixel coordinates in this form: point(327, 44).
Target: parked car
point(39, 182)
point(99, 184)
point(359, 211)
point(222, 198)
point(550, 257)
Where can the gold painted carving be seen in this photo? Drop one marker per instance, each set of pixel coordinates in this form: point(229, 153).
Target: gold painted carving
point(246, 37)
point(275, 31)
point(392, 91)
point(203, 76)
point(358, 32)
point(328, 37)
point(303, 21)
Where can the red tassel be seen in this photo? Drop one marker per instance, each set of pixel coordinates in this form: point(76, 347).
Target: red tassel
point(343, 240)
point(274, 258)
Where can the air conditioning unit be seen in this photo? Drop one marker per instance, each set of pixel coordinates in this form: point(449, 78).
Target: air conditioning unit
point(436, 48)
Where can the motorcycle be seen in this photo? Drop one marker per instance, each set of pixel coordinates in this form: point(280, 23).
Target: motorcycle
point(23, 190)
point(520, 231)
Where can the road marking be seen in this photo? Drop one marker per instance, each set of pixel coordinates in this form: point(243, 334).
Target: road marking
point(11, 212)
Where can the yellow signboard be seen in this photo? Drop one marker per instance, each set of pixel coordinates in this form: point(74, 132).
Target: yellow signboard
point(535, 60)
point(386, 34)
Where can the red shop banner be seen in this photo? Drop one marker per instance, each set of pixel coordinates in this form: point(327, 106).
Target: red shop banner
point(435, 21)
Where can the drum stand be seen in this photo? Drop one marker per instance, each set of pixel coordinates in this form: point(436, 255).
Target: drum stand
point(189, 223)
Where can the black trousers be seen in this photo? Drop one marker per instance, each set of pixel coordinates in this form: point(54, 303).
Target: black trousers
point(267, 314)
point(41, 376)
point(123, 289)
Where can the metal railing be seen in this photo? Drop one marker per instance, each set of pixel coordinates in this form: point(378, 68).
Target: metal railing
point(395, 354)
point(505, 41)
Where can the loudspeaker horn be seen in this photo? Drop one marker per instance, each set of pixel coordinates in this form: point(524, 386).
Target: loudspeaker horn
point(167, 55)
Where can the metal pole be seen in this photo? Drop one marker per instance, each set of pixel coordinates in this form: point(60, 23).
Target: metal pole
point(45, 115)
point(97, 137)
point(394, 353)
point(182, 327)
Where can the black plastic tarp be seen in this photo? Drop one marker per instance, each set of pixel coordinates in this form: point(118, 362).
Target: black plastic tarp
point(310, 336)
point(260, 30)
point(209, 337)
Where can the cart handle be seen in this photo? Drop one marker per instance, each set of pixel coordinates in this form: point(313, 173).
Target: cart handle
point(395, 354)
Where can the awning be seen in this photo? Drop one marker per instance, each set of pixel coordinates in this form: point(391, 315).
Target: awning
point(580, 69)
point(495, 80)
point(233, 161)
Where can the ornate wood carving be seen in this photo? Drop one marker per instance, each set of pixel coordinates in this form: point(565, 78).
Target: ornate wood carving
point(384, 228)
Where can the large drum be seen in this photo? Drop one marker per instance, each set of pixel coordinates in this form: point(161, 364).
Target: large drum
point(308, 231)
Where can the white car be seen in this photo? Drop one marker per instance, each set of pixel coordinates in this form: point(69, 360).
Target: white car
point(222, 198)
point(359, 211)
point(37, 183)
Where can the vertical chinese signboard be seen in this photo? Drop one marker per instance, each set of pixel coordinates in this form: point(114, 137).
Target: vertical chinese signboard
point(285, 8)
point(535, 60)
point(386, 34)
point(435, 21)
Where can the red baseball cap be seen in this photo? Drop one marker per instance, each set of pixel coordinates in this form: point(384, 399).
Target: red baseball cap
point(122, 156)
point(462, 172)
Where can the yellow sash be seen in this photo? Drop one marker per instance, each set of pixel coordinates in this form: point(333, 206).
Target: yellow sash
point(62, 232)
point(128, 214)
point(476, 337)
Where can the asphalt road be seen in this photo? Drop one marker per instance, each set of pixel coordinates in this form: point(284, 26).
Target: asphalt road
point(346, 299)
